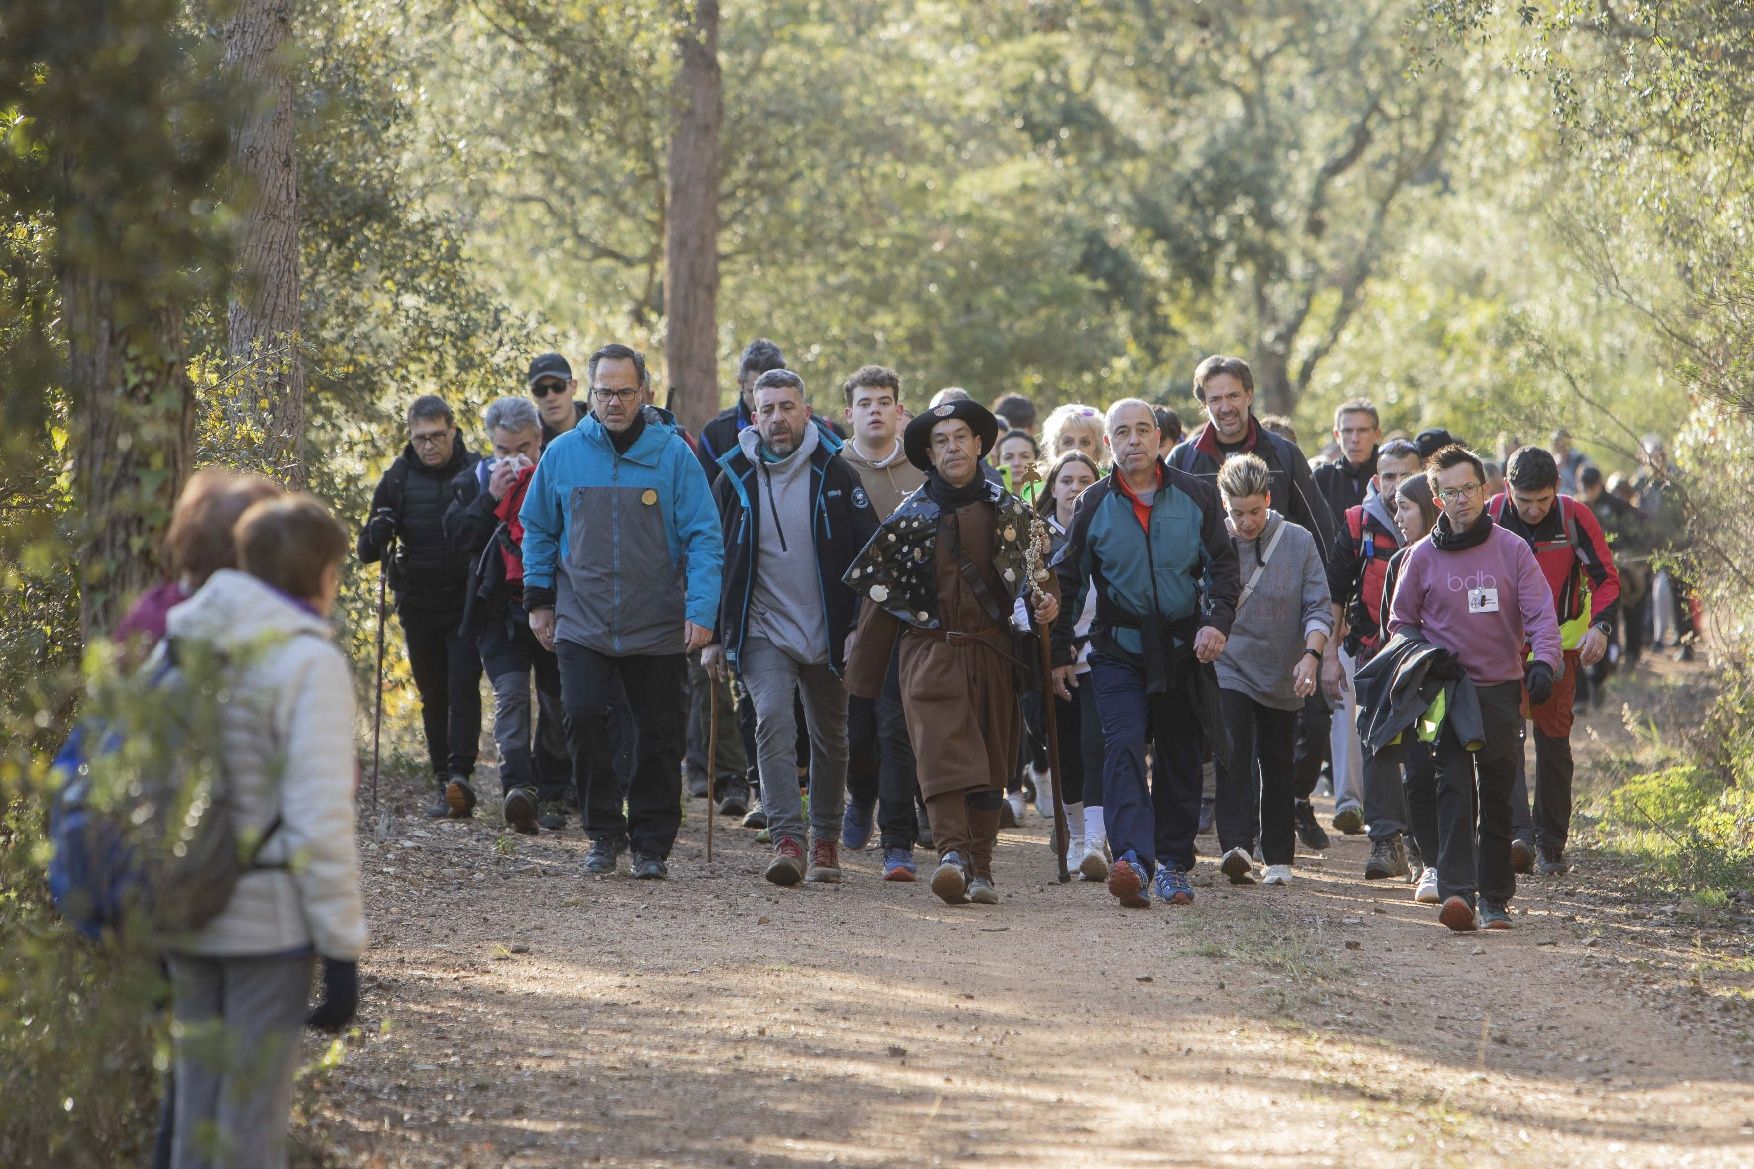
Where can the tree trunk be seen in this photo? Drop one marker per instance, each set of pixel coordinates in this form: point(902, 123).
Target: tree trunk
point(133, 413)
point(262, 336)
point(1271, 365)
point(691, 232)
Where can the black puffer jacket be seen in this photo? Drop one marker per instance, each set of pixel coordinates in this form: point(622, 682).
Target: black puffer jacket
point(427, 574)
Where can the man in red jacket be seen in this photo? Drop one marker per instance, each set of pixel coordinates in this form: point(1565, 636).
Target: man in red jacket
point(1574, 557)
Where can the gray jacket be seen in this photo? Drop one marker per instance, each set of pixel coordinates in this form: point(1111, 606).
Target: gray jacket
point(1289, 600)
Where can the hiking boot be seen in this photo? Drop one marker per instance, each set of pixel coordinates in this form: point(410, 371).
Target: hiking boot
point(950, 882)
point(1349, 822)
point(1127, 881)
point(824, 863)
point(1388, 858)
point(981, 891)
point(735, 801)
point(1172, 885)
point(551, 814)
point(1238, 866)
point(460, 797)
point(856, 826)
point(520, 811)
point(1553, 863)
point(697, 787)
point(649, 867)
point(898, 865)
point(787, 865)
point(1277, 875)
point(1494, 914)
point(605, 851)
point(757, 817)
point(1426, 891)
point(1208, 817)
point(1309, 831)
point(1522, 857)
point(440, 808)
point(1458, 914)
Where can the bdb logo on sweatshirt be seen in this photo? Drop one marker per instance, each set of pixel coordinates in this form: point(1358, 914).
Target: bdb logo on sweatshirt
point(1474, 580)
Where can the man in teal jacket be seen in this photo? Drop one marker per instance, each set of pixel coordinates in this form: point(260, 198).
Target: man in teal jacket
point(622, 566)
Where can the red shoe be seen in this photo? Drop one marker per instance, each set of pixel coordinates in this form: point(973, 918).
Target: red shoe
point(1126, 880)
point(787, 866)
point(824, 862)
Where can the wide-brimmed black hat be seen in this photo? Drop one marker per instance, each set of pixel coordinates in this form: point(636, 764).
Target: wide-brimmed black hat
point(916, 440)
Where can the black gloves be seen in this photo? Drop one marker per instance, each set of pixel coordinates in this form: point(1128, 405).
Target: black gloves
point(382, 528)
point(340, 996)
point(1538, 680)
point(536, 597)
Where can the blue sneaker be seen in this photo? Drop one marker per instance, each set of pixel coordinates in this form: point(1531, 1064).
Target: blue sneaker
point(1171, 885)
point(857, 824)
point(1127, 881)
point(898, 864)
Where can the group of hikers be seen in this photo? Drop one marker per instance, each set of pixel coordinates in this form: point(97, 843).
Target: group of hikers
point(830, 623)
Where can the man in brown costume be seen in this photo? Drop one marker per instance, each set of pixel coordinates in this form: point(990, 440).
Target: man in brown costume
point(944, 573)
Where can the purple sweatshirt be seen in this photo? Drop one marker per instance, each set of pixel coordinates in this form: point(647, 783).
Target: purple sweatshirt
point(1432, 600)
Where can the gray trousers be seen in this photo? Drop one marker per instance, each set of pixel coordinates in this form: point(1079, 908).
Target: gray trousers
point(771, 676)
point(235, 1025)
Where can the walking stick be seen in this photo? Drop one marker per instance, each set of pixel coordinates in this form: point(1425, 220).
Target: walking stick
point(1053, 723)
point(712, 761)
point(378, 714)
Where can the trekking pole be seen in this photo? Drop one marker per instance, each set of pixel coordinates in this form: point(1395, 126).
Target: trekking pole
point(1051, 718)
point(712, 760)
point(378, 714)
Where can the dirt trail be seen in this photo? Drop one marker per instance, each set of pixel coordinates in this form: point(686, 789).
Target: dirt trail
point(533, 1016)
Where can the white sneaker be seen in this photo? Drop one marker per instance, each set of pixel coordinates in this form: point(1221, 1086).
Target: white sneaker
point(1277, 875)
point(1426, 893)
point(1015, 799)
point(1094, 864)
point(1044, 794)
point(1238, 866)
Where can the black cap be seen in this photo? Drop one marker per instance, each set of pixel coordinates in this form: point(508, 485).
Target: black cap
point(1429, 442)
point(916, 440)
point(548, 365)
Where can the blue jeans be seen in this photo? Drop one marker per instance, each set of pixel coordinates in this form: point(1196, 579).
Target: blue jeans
point(1156, 823)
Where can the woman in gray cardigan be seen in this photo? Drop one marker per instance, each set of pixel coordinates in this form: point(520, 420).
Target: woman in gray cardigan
point(1269, 666)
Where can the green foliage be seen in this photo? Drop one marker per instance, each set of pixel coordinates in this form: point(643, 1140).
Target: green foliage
point(1694, 832)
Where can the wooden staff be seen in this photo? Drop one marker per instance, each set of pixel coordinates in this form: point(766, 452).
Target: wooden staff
point(712, 761)
point(1033, 562)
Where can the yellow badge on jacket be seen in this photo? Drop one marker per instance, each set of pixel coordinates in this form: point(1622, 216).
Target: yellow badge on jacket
point(649, 497)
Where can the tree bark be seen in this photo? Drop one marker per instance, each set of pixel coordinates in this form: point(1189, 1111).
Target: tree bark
point(691, 230)
point(262, 335)
point(134, 439)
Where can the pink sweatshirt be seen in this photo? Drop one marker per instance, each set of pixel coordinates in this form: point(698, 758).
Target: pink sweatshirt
point(1432, 600)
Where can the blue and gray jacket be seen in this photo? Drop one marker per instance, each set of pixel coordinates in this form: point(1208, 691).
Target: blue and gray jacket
point(1178, 571)
point(628, 544)
point(842, 523)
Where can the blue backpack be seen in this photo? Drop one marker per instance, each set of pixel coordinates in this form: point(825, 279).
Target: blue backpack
point(141, 818)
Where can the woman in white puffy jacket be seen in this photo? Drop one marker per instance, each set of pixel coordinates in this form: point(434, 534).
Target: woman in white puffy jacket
point(240, 984)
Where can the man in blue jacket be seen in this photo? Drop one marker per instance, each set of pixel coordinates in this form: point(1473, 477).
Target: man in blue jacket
point(1153, 540)
point(622, 561)
point(795, 515)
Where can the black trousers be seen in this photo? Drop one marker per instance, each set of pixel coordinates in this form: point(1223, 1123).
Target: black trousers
point(447, 673)
point(1314, 723)
point(1259, 791)
point(881, 763)
point(1080, 746)
point(1474, 799)
point(532, 741)
point(655, 688)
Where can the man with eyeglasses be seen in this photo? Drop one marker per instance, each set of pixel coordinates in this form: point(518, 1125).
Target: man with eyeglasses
point(1475, 589)
point(622, 563)
point(430, 581)
point(1357, 564)
point(554, 390)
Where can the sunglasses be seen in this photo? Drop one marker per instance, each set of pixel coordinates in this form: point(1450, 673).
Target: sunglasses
point(543, 389)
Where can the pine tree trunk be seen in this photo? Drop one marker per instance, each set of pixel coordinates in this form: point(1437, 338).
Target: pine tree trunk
point(268, 387)
point(134, 439)
point(691, 233)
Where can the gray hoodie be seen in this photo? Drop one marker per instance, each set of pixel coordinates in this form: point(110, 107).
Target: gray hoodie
point(785, 602)
point(1289, 600)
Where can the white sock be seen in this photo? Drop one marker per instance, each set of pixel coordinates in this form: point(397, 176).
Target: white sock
point(1074, 830)
point(1095, 835)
